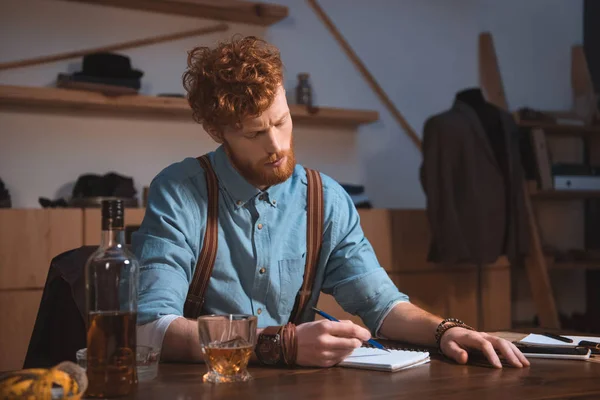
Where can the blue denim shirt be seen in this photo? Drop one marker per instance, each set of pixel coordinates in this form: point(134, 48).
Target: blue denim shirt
point(170, 238)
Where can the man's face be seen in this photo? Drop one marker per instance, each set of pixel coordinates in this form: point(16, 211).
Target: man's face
point(262, 149)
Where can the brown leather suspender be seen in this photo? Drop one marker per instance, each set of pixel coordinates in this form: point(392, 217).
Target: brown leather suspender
point(208, 254)
point(206, 260)
point(314, 237)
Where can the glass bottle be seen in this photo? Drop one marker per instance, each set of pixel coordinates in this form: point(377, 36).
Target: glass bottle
point(304, 90)
point(112, 274)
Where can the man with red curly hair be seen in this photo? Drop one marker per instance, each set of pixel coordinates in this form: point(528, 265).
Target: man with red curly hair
point(236, 92)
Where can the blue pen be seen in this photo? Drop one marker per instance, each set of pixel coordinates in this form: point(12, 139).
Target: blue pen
point(329, 317)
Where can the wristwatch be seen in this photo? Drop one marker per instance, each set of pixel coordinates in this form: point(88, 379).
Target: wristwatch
point(268, 346)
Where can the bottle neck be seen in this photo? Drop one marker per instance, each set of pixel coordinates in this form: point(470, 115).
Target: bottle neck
point(113, 237)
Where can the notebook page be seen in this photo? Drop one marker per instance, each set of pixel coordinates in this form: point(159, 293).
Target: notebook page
point(378, 359)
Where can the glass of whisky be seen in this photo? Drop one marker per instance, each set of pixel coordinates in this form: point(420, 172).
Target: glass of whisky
point(227, 343)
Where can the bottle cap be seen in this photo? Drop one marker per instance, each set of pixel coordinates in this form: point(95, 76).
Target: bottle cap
point(112, 213)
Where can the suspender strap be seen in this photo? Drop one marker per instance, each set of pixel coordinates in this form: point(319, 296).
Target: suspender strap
point(206, 260)
point(314, 237)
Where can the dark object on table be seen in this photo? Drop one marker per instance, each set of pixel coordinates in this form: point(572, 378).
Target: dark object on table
point(103, 71)
point(593, 346)
point(473, 180)
point(5, 201)
point(558, 337)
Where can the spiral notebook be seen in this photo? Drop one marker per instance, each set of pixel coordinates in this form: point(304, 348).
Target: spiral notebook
point(381, 360)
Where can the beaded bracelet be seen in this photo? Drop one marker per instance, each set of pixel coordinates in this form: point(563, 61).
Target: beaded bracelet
point(446, 325)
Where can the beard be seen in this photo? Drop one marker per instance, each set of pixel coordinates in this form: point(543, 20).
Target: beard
point(259, 174)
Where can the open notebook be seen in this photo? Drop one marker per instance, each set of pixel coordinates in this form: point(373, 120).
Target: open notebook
point(381, 360)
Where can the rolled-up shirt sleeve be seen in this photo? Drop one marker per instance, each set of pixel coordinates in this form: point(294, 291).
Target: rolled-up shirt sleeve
point(165, 247)
point(353, 274)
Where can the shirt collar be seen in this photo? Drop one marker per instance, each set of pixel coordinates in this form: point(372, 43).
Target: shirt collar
point(230, 179)
point(240, 190)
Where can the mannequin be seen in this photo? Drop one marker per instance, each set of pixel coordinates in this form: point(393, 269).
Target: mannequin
point(473, 180)
point(489, 116)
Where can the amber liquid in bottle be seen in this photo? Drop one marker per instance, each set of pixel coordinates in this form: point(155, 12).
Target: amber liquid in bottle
point(111, 289)
point(111, 354)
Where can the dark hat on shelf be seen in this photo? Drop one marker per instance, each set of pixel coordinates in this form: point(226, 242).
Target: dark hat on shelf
point(108, 65)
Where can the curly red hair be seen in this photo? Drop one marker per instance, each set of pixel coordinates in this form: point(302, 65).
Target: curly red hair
point(236, 80)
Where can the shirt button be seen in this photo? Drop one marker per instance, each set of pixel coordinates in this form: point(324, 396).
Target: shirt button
point(274, 202)
point(259, 311)
point(262, 270)
point(259, 226)
point(261, 197)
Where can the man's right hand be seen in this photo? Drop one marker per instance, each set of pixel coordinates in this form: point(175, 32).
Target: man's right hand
point(325, 343)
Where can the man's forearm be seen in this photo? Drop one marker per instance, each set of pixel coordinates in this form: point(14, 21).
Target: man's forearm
point(182, 342)
point(409, 323)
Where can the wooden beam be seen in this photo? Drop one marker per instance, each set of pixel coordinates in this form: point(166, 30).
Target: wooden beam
point(490, 79)
point(366, 74)
point(224, 10)
point(537, 271)
point(584, 96)
point(114, 47)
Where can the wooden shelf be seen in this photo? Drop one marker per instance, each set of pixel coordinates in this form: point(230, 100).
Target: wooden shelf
point(562, 130)
point(565, 194)
point(28, 98)
point(571, 264)
point(248, 12)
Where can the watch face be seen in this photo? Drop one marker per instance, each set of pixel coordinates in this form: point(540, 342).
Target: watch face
point(268, 348)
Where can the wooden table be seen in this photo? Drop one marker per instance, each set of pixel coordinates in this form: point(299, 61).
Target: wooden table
point(439, 380)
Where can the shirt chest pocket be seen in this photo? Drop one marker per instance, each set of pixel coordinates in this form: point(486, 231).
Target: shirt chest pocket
point(291, 274)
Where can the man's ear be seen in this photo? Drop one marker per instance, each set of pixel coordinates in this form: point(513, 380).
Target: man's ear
point(215, 134)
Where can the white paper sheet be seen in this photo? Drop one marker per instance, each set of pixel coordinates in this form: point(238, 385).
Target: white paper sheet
point(394, 360)
point(541, 339)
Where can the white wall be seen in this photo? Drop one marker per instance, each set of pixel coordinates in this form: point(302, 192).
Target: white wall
point(421, 51)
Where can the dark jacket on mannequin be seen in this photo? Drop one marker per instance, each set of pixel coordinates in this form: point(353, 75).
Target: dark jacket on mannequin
point(473, 180)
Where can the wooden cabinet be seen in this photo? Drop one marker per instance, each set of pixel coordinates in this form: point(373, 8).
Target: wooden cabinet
point(29, 239)
point(453, 293)
point(376, 224)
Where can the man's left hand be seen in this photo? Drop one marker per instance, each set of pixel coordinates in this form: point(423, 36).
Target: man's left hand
point(456, 341)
